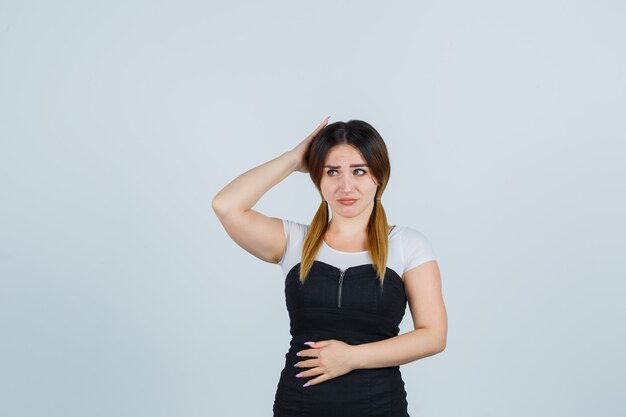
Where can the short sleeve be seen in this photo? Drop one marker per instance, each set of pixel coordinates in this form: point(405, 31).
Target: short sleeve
point(286, 227)
point(416, 248)
point(294, 234)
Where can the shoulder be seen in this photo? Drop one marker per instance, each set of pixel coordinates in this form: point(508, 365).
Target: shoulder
point(294, 230)
point(411, 235)
point(295, 233)
point(294, 236)
point(415, 246)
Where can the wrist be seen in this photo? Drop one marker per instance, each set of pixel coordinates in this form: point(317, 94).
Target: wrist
point(293, 159)
point(356, 356)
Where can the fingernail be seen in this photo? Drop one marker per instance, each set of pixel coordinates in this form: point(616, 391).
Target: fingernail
point(307, 384)
point(309, 343)
point(298, 376)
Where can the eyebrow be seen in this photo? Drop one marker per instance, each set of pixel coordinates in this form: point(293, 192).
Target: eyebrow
point(339, 166)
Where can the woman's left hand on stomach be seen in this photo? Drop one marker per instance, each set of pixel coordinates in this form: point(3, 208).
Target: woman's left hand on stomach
point(328, 359)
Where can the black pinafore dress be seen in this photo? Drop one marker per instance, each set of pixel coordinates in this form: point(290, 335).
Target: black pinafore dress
point(347, 305)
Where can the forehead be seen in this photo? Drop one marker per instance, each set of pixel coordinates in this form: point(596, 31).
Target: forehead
point(344, 154)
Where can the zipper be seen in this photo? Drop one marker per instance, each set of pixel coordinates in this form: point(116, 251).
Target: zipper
point(341, 274)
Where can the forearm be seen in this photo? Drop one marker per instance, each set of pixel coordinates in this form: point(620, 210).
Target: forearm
point(243, 192)
point(398, 350)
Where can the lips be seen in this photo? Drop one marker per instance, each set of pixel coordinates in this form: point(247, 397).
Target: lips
point(347, 201)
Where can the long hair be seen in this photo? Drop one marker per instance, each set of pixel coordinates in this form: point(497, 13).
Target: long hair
point(368, 141)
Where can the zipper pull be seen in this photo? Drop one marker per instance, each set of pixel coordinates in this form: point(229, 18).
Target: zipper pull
point(341, 274)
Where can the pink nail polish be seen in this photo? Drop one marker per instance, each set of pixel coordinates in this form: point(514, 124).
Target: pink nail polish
point(309, 343)
point(307, 384)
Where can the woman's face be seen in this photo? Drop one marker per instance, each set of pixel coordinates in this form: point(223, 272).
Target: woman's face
point(340, 181)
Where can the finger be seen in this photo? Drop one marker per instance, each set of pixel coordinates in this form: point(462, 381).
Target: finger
point(324, 122)
point(308, 352)
point(310, 372)
point(321, 125)
point(317, 380)
point(319, 343)
point(310, 363)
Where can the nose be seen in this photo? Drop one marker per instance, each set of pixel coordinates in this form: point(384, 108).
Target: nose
point(346, 184)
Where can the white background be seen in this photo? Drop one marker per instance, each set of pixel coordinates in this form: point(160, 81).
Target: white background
point(122, 295)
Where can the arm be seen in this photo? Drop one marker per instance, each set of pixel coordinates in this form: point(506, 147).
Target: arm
point(242, 193)
point(260, 235)
point(333, 358)
point(398, 350)
point(423, 288)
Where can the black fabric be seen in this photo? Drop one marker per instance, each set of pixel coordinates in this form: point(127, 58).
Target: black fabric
point(361, 312)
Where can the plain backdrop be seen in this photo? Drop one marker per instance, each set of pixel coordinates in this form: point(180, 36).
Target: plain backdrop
point(122, 295)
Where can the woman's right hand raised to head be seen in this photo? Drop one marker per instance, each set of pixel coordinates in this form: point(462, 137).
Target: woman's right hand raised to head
point(300, 151)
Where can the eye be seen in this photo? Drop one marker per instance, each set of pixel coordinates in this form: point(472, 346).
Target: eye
point(332, 171)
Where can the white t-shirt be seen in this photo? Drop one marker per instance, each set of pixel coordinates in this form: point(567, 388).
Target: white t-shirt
point(408, 248)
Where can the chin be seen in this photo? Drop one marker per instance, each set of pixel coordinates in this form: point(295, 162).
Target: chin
point(349, 211)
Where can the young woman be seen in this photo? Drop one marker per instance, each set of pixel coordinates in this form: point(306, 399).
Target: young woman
point(348, 277)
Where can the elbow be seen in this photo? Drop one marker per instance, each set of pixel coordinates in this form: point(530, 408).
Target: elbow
point(438, 341)
point(214, 203)
point(441, 345)
point(224, 208)
point(217, 205)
